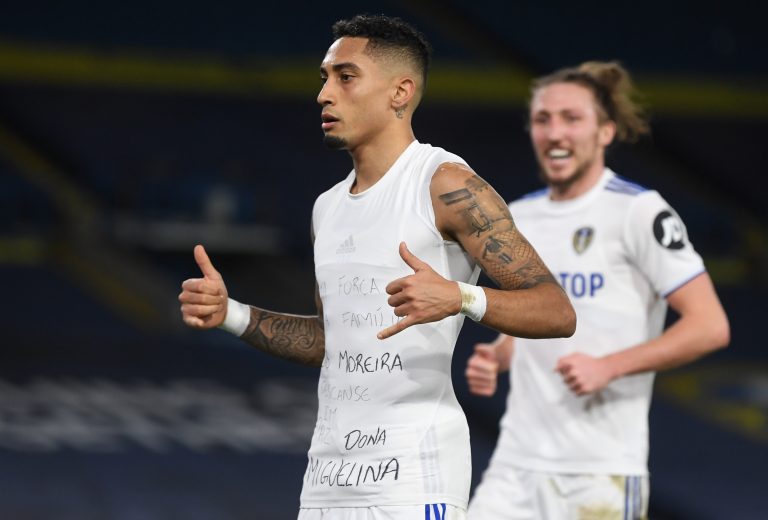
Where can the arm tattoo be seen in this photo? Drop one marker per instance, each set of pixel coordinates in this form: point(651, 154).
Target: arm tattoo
point(479, 214)
point(507, 257)
point(455, 196)
point(512, 263)
point(476, 184)
point(479, 222)
point(296, 338)
point(477, 218)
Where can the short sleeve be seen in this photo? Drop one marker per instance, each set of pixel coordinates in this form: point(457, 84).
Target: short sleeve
point(658, 244)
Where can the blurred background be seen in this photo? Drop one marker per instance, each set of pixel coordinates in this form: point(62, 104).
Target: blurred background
point(131, 131)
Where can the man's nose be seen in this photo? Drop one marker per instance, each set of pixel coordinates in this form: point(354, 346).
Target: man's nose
point(555, 130)
point(325, 96)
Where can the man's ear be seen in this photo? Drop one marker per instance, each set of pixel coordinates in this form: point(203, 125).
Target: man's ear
point(403, 92)
point(606, 133)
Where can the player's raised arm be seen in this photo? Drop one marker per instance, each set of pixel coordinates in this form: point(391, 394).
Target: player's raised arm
point(529, 302)
point(205, 305)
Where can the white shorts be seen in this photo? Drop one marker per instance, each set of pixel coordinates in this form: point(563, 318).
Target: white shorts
point(515, 494)
point(417, 512)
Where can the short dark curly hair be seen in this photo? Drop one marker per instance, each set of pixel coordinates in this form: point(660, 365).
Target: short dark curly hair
point(388, 35)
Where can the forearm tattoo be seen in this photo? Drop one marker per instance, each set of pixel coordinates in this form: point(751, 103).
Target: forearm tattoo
point(505, 255)
point(296, 338)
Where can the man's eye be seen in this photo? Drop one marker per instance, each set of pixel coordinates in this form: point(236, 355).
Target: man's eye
point(323, 79)
point(345, 77)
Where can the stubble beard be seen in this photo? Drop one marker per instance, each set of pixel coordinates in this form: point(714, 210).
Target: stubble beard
point(334, 142)
point(564, 184)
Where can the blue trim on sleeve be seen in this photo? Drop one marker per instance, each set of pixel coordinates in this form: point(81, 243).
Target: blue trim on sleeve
point(621, 185)
point(676, 287)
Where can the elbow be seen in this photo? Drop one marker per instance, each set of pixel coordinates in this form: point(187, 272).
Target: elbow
point(318, 358)
point(721, 335)
point(565, 323)
point(716, 336)
point(568, 321)
point(563, 316)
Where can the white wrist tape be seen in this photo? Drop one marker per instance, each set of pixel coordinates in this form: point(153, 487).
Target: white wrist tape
point(237, 319)
point(473, 301)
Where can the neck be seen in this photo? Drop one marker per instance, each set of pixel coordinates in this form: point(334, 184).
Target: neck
point(374, 158)
point(580, 183)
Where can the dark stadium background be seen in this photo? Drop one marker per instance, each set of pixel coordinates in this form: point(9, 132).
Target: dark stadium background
point(131, 131)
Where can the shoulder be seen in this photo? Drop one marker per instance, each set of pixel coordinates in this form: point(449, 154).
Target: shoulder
point(622, 186)
point(461, 198)
point(434, 160)
point(633, 200)
point(647, 203)
point(455, 182)
point(650, 218)
point(449, 176)
point(437, 155)
point(324, 199)
point(336, 188)
point(637, 203)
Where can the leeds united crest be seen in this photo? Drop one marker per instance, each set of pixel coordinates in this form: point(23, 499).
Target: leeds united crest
point(582, 238)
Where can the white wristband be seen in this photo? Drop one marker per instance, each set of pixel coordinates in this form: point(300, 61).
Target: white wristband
point(473, 301)
point(237, 319)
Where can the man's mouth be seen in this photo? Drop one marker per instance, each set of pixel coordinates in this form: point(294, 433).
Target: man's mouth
point(328, 121)
point(559, 153)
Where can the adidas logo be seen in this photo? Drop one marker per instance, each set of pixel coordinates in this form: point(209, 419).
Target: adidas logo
point(346, 247)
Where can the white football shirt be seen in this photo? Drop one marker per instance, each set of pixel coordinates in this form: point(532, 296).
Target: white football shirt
point(389, 428)
point(618, 251)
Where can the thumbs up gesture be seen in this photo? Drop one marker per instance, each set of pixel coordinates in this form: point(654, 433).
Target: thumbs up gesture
point(422, 297)
point(203, 300)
